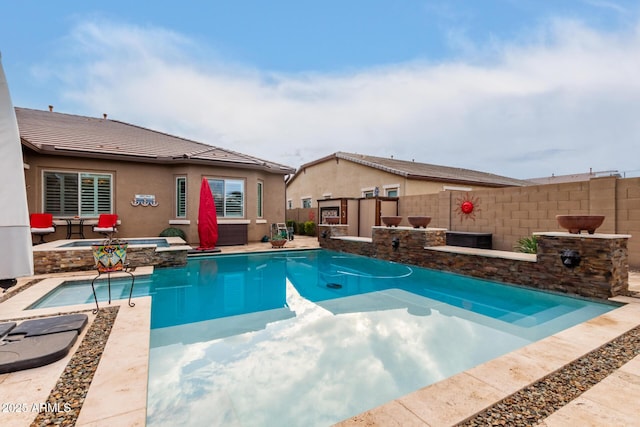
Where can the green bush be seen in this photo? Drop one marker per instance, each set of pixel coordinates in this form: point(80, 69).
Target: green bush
point(300, 228)
point(173, 232)
point(527, 245)
point(310, 228)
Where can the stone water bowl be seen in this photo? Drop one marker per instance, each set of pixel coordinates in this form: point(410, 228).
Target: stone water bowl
point(332, 219)
point(576, 223)
point(391, 221)
point(419, 221)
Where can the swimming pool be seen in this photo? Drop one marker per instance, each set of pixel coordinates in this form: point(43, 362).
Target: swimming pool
point(313, 337)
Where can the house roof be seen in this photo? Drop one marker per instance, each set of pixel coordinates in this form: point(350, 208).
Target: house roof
point(70, 135)
point(422, 171)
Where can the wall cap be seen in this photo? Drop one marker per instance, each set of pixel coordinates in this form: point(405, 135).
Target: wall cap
point(586, 235)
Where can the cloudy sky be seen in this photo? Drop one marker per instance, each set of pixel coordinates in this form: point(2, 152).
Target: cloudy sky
point(522, 88)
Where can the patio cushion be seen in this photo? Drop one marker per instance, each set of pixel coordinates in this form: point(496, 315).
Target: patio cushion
point(42, 230)
point(41, 220)
point(35, 351)
point(6, 327)
point(51, 325)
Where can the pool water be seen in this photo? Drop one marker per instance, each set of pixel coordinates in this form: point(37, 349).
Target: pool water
point(311, 338)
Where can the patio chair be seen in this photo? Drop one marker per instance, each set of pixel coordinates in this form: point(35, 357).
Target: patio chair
point(41, 225)
point(107, 225)
point(282, 230)
point(111, 257)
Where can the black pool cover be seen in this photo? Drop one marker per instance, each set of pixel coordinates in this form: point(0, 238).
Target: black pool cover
point(38, 342)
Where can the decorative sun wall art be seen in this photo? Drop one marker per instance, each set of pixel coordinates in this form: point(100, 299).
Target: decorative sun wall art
point(467, 206)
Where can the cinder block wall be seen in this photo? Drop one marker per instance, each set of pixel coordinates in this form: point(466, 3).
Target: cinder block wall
point(515, 212)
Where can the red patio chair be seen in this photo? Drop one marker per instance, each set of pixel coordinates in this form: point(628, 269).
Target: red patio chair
point(107, 224)
point(41, 225)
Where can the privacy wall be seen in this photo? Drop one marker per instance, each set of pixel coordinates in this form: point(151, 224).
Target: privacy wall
point(515, 212)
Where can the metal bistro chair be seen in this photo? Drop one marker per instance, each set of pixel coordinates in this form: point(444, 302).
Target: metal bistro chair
point(107, 225)
point(111, 257)
point(41, 225)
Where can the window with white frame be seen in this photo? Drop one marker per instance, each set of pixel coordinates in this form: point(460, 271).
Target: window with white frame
point(228, 195)
point(306, 202)
point(260, 203)
point(391, 192)
point(181, 197)
point(77, 193)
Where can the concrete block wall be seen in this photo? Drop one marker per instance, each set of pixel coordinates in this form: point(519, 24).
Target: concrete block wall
point(515, 212)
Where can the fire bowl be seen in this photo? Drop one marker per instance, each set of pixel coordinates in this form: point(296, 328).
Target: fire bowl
point(391, 221)
point(576, 223)
point(419, 221)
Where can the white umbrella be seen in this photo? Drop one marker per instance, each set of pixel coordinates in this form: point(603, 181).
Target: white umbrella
point(16, 252)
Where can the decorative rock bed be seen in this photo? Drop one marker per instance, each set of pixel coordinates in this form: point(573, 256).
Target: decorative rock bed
point(532, 404)
point(73, 385)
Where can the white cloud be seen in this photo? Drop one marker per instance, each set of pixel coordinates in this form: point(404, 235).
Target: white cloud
point(562, 103)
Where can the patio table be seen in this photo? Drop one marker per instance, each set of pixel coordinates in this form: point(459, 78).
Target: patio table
point(75, 226)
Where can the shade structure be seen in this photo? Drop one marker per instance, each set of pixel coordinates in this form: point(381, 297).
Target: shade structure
point(207, 218)
point(16, 253)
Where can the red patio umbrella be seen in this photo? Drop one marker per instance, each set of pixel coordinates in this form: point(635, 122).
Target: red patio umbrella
point(207, 218)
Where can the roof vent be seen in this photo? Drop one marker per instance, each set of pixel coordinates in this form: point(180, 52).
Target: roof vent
point(50, 107)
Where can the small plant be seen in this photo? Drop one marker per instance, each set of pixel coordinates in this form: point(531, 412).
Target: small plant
point(173, 232)
point(527, 245)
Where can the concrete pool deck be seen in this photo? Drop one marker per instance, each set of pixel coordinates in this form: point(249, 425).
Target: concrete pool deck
point(117, 395)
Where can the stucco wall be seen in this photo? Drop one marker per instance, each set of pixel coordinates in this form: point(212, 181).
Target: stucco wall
point(130, 178)
point(342, 178)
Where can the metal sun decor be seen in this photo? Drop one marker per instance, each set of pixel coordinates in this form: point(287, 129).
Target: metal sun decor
point(467, 206)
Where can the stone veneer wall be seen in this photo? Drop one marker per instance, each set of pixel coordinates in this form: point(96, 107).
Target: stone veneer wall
point(64, 260)
point(602, 273)
point(514, 212)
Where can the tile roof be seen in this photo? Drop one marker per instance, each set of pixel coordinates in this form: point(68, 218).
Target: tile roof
point(424, 171)
point(67, 134)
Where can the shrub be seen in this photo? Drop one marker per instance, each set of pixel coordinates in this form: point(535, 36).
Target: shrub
point(310, 228)
point(300, 228)
point(173, 232)
point(527, 245)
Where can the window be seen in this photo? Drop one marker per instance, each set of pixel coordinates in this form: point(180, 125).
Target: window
point(77, 194)
point(228, 195)
point(289, 204)
point(181, 197)
point(260, 184)
point(392, 192)
point(306, 202)
point(367, 194)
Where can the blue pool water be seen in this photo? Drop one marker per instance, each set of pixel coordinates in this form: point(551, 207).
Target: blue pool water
point(310, 338)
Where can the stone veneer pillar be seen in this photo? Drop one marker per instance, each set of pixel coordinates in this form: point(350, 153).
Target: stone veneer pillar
point(603, 270)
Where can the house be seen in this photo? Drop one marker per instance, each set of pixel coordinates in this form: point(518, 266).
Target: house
point(78, 166)
point(576, 177)
point(357, 175)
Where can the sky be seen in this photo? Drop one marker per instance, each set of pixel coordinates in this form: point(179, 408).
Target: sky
point(520, 88)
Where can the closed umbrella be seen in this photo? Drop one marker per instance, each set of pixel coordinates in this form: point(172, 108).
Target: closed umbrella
point(207, 218)
point(16, 252)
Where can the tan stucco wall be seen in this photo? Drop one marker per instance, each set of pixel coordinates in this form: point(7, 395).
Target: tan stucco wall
point(342, 178)
point(515, 212)
point(130, 178)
